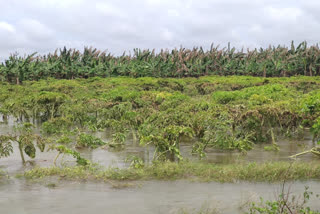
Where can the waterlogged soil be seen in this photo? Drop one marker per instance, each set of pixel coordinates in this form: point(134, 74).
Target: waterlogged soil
point(20, 196)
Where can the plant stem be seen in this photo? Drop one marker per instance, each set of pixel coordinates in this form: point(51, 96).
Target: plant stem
point(301, 153)
point(134, 136)
point(55, 159)
point(21, 153)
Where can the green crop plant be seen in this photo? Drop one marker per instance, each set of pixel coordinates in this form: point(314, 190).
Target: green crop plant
point(88, 141)
point(232, 113)
point(167, 142)
point(48, 103)
point(135, 162)
point(26, 140)
point(286, 203)
point(56, 125)
point(65, 150)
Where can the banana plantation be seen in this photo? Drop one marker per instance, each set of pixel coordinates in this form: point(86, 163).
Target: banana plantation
point(66, 63)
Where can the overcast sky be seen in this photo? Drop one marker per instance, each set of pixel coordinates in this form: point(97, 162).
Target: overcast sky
point(118, 25)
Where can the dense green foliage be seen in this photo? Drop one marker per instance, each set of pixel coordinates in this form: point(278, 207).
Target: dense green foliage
point(232, 113)
point(89, 141)
point(70, 64)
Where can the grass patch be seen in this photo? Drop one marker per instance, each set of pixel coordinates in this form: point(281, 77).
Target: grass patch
point(254, 172)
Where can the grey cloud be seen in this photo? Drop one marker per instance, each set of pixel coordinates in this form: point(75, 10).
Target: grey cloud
point(44, 25)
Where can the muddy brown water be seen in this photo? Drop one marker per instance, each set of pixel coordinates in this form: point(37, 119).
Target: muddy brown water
point(24, 197)
point(21, 197)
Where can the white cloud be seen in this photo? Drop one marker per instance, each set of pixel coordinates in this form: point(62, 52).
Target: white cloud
point(283, 14)
point(167, 35)
point(172, 12)
point(34, 29)
point(4, 26)
point(109, 9)
point(255, 28)
point(58, 3)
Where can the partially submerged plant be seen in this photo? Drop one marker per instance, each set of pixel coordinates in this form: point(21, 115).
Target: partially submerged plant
point(135, 162)
point(88, 141)
point(56, 125)
point(5, 145)
point(314, 150)
point(118, 140)
point(167, 142)
point(26, 139)
point(228, 113)
point(286, 203)
point(64, 150)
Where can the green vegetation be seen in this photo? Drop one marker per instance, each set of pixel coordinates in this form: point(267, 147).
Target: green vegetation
point(70, 64)
point(62, 102)
point(27, 142)
point(268, 172)
point(89, 141)
point(228, 113)
point(64, 150)
point(286, 203)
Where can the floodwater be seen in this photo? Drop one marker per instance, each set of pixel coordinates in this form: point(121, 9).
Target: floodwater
point(25, 197)
point(21, 197)
point(116, 158)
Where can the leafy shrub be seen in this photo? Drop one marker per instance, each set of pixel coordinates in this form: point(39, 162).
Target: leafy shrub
point(89, 141)
point(285, 204)
point(56, 125)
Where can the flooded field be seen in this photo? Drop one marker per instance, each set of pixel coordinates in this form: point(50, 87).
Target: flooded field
point(18, 196)
point(117, 158)
point(147, 145)
point(58, 196)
